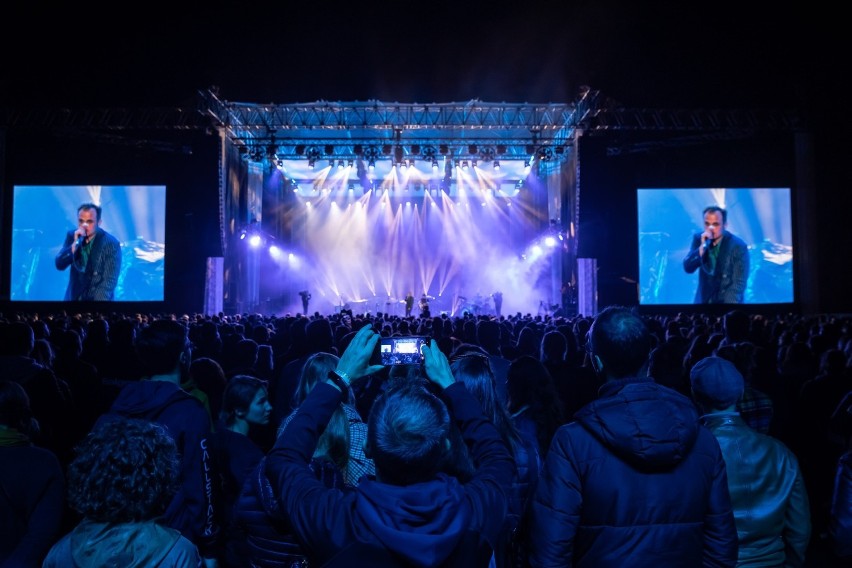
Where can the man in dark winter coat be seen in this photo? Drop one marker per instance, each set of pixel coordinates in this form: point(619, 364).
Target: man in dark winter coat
point(411, 514)
point(635, 480)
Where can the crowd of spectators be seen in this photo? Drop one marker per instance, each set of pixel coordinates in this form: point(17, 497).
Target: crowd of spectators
point(240, 379)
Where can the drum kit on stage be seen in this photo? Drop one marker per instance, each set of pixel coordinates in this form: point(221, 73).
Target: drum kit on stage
point(478, 305)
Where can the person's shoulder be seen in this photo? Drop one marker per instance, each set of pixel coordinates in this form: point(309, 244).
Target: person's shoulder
point(569, 430)
point(779, 446)
point(183, 554)
point(42, 461)
point(737, 240)
point(59, 554)
point(185, 406)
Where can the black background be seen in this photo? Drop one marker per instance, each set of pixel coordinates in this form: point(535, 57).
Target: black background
point(643, 55)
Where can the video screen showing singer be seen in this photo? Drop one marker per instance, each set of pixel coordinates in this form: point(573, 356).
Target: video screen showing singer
point(722, 258)
point(94, 257)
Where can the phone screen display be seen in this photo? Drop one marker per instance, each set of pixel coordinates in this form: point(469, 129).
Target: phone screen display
point(401, 350)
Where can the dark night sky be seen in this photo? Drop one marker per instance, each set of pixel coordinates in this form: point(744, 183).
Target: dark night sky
point(641, 54)
point(683, 56)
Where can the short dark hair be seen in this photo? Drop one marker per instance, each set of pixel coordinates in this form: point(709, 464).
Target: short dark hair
point(15, 409)
point(736, 324)
point(16, 338)
point(716, 209)
point(240, 391)
point(160, 345)
point(125, 470)
point(621, 339)
point(488, 333)
point(90, 205)
point(407, 432)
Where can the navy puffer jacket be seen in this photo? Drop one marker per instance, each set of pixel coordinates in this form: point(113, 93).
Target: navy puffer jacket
point(634, 481)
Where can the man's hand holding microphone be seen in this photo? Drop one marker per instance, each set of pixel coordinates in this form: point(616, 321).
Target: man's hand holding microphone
point(80, 236)
point(707, 238)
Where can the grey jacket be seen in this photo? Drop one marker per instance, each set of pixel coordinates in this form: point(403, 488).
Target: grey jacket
point(768, 493)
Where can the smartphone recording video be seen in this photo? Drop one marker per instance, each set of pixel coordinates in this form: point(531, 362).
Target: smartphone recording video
point(402, 350)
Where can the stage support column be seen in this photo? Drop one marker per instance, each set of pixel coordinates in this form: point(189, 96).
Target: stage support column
point(214, 285)
point(587, 286)
point(251, 256)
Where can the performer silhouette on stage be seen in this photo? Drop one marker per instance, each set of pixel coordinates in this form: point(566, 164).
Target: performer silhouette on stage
point(424, 306)
point(498, 302)
point(306, 297)
point(409, 303)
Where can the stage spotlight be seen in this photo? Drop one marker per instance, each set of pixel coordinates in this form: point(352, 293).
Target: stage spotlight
point(372, 165)
point(312, 163)
point(464, 165)
point(497, 165)
point(254, 240)
point(339, 164)
point(242, 235)
point(435, 165)
point(350, 163)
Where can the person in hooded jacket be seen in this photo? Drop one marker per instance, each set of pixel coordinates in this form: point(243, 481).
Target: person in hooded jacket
point(122, 479)
point(165, 351)
point(410, 514)
point(635, 480)
point(32, 485)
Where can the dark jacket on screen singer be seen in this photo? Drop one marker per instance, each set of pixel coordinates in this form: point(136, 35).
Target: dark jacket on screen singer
point(95, 267)
point(724, 272)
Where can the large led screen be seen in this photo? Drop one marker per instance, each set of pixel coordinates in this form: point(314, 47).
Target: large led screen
point(45, 222)
point(670, 222)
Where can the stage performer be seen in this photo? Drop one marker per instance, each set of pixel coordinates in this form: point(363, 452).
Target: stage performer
point(722, 258)
point(409, 303)
point(306, 298)
point(94, 257)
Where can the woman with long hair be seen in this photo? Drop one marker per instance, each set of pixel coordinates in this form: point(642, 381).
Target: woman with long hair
point(269, 537)
point(533, 401)
point(344, 446)
point(470, 364)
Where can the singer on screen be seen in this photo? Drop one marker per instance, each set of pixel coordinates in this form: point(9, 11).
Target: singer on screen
point(722, 258)
point(94, 257)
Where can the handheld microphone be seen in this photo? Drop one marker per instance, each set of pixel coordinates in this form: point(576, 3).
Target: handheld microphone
point(80, 240)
